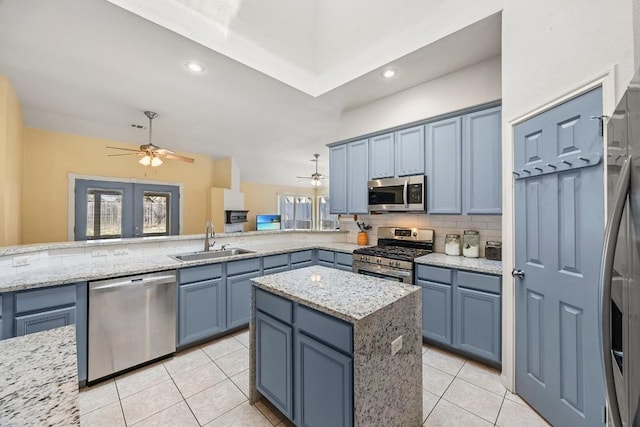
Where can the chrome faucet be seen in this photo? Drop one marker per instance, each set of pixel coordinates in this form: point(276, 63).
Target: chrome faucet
point(209, 232)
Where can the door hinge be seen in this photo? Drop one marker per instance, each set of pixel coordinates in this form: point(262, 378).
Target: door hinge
point(604, 414)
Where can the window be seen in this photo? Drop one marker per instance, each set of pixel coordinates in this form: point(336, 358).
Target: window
point(326, 221)
point(111, 209)
point(296, 211)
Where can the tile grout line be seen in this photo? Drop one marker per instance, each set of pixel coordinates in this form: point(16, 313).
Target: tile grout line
point(500, 410)
point(184, 399)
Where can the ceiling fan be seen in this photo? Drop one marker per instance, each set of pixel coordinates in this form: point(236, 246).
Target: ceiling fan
point(152, 154)
point(316, 178)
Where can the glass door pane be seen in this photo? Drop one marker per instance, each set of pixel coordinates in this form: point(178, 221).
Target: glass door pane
point(155, 213)
point(327, 221)
point(104, 214)
point(304, 213)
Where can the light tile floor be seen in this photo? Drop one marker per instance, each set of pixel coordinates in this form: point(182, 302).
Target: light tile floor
point(208, 385)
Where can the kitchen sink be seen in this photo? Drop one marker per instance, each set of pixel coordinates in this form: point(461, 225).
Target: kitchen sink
point(198, 256)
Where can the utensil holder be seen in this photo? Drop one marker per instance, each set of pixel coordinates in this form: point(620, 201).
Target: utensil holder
point(363, 238)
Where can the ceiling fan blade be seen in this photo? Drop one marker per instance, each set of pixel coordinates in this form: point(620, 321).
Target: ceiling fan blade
point(304, 177)
point(163, 151)
point(177, 157)
point(126, 154)
point(125, 149)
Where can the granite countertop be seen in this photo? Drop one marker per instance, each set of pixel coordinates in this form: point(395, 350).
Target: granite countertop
point(342, 294)
point(104, 269)
point(39, 382)
point(481, 265)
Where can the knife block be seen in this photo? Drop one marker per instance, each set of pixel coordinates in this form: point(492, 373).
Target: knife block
point(363, 238)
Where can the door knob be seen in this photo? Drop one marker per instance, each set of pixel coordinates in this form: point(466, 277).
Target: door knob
point(518, 273)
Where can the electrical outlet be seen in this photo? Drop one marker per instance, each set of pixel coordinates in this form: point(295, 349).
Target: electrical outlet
point(122, 251)
point(99, 252)
point(20, 261)
point(396, 345)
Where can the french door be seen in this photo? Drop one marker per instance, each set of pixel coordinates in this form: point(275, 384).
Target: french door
point(111, 210)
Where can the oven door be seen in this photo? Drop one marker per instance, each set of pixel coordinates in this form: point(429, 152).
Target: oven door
point(383, 272)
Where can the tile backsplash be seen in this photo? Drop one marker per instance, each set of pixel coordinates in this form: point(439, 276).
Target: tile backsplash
point(489, 226)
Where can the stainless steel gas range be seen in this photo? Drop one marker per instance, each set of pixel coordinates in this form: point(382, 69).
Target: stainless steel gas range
point(393, 257)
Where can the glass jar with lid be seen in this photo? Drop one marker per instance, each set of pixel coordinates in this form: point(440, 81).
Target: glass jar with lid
point(452, 244)
point(471, 244)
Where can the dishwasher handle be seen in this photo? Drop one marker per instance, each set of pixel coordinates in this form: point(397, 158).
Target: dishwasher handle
point(137, 282)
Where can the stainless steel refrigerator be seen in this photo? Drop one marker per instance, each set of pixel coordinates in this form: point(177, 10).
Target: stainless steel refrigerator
point(620, 275)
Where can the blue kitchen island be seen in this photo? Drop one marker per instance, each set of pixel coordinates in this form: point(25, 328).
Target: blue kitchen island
point(333, 348)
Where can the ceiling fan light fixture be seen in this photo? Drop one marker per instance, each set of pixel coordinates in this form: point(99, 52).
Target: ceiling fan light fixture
point(156, 161)
point(145, 161)
point(316, 182)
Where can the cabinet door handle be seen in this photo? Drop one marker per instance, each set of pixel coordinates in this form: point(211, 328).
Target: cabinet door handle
point(406, 201)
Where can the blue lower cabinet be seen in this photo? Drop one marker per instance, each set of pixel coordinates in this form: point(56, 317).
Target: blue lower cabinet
point(478, 327)
point(436, 311)
point(200, 310)
point(274, 362)
point(323, 384)
point(239, 299)
point(82, 324)
point(38, 322)
point(326, 263)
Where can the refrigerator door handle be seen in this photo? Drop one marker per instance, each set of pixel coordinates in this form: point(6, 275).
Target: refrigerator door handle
point(606, 275)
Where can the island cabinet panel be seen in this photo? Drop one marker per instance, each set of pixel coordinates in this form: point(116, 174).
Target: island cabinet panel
point(436, 311)
point(381, 156)
point(444, 166)
point(332, 331)
point(274, 362)
point(38, 322)
point(478, 328)
point(338, 184)
point(482, 172)
point(239, 299)
point(200, 310)
point(357, 177)
point(323, 385)
point(410, 151)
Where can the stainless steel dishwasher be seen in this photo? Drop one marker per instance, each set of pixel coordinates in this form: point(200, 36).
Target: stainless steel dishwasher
point(132, 320)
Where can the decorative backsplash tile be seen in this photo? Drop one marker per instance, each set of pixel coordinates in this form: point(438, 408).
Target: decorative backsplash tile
point(489, 226)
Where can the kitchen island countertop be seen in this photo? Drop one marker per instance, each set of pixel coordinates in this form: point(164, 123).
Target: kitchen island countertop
point(39, 381)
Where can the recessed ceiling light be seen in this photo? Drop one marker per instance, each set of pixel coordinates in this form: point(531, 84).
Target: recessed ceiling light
point(194, 66)
point(388, 73)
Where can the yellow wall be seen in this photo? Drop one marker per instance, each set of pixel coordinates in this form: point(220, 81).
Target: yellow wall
point(51, 156)
point(11, 165)
point(263, 198)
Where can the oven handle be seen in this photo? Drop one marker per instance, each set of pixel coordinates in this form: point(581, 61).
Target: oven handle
point(357, 265)
point(404, 195)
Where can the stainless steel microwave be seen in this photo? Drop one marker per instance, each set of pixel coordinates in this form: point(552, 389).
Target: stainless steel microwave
point(406, 194)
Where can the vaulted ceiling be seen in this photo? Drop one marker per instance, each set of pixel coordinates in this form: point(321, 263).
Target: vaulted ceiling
point(278, 75)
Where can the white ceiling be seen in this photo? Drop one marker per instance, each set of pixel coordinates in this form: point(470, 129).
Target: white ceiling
point(90, 67)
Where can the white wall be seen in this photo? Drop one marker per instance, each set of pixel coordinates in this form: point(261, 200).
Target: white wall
point(470, 86)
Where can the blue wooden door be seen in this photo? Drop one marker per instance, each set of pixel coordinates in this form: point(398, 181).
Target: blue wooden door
point(482, 154)
point(381, 153)
point(43, 321)
point(410, 151)
point(436, 311)
point(323, 385)
point(559, 227)
point(239, 299)
point(200, 310)
point(357, 177)
point(338, 179)
point(444, 166)
point(274, 362)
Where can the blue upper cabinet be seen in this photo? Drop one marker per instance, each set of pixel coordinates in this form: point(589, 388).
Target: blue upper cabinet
point(444, 166)
point(381, 150)
point(482, 176)
point(357, 177)
point(338, 179)
point(410, 151)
